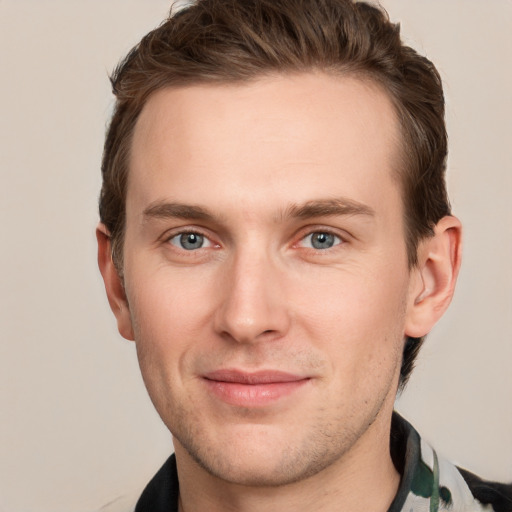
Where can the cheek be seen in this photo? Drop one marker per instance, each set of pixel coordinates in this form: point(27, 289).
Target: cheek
point(167, 302)
point(358, 320)
point(166, 321)
point(169, 316)
point(353, 300)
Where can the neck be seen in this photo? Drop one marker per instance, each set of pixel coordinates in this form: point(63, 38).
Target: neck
point(363, 479)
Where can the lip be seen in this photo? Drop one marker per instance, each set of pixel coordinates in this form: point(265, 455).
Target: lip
point(252, 389)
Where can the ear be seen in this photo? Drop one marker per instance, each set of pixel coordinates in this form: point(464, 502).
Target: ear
point(433, 278)
point(113, 284)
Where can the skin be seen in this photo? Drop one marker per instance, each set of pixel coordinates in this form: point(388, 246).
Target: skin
point(261, 173)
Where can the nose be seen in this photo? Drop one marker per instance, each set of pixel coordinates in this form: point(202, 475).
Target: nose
point(253, 304)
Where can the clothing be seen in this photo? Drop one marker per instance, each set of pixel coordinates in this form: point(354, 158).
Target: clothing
point(428, 482)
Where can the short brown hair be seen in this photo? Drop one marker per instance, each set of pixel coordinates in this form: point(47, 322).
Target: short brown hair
point(239, 40)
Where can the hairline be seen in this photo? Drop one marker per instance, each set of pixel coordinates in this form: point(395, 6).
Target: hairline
point(367, 77)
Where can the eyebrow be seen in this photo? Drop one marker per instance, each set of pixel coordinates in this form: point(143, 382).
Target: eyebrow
point(328, 207)
point(309, 209)
point(176, 211)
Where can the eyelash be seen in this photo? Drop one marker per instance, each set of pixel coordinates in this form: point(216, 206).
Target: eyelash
point(338, 239)
point(189, 232)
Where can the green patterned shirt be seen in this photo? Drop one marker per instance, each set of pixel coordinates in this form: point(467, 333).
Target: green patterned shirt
point(428, 482)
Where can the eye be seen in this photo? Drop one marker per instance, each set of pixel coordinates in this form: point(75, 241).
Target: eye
point(320, 240)
point(190, 241)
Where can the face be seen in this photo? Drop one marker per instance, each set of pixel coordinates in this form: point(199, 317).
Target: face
point(266, 271)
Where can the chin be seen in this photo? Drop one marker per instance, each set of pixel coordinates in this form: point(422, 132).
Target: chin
point(271, 471)
point(262, 457)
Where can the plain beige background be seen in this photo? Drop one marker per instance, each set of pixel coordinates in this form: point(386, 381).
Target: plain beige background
point(77, 431)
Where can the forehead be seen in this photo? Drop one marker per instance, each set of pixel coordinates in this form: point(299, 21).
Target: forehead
point(286, 136)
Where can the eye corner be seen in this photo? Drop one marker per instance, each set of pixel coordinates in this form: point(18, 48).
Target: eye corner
point(320, 240)
point(189, 240)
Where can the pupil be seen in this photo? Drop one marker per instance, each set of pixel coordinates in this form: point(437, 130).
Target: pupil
point(322, 241)
point(191, 241)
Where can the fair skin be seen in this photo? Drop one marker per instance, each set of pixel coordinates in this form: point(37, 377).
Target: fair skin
point(267, 288)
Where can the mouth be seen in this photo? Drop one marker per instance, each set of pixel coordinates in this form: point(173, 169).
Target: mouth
point(252, 389)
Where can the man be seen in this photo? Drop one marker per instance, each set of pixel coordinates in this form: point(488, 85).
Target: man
point(277, 240)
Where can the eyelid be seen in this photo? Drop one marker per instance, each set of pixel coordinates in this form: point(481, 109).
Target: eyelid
point(336, 241)
point(175, 232)
point(206, 241)
point(304, 232)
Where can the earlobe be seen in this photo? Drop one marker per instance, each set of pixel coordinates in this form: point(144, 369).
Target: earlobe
point(113, 284)
point(433, 283)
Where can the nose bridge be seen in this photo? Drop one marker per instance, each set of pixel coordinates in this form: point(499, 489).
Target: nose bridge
point(253, 302)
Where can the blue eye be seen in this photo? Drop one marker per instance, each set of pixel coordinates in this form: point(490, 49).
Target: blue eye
point(190, 241)
point(320, 240)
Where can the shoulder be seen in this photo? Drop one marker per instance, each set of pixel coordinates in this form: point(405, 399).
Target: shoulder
point(430, 482)
point(161, 493)
point(497, 495)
